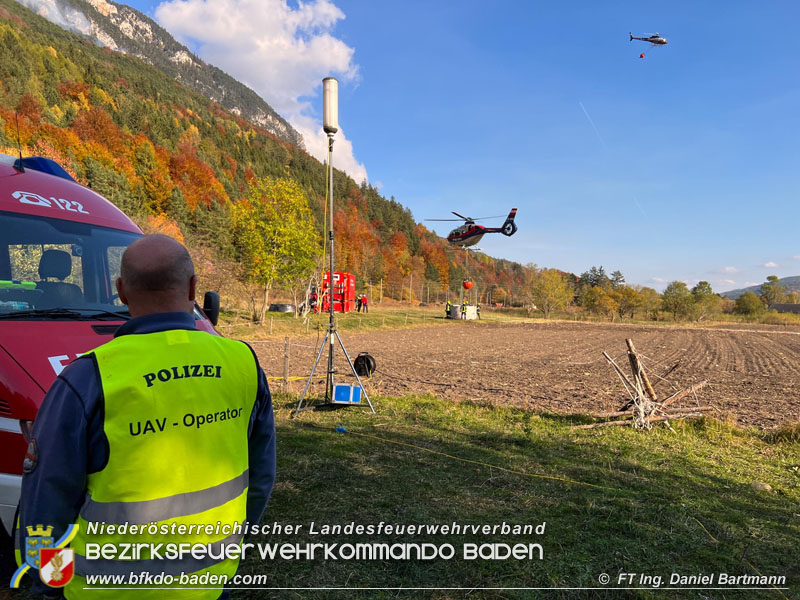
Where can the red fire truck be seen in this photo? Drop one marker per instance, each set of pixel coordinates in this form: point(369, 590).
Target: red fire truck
point(60, 251)
point(344, 292)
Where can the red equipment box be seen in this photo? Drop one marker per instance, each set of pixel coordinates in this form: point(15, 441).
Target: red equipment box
point(344, 292)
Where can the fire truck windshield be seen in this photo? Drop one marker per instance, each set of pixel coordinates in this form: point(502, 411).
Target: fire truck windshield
point(57, 269)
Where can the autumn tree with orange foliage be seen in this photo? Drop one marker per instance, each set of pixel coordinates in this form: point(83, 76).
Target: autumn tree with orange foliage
point(195, 179)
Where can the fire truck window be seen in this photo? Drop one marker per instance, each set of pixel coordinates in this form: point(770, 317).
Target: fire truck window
point(86, 256)
point(25, 260)
point(114, 261)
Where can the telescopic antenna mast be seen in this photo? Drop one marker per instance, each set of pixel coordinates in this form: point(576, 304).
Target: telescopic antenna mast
point(330, 125)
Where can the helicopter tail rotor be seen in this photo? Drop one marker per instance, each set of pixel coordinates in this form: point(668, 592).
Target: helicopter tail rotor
point(509, 228)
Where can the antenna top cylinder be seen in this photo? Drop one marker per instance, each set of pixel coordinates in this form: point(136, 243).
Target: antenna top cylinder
point(330, 105)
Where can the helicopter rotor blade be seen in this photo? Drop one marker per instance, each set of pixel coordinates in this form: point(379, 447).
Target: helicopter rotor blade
point(492, 217)
point(468, 219)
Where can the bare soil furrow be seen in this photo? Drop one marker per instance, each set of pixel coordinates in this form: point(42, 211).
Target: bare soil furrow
point(754, 373)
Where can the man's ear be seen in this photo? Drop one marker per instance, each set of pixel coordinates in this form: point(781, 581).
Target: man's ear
point(123, 297)
point(192, 288)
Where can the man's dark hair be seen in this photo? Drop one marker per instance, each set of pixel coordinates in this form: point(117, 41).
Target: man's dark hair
point(170, 268)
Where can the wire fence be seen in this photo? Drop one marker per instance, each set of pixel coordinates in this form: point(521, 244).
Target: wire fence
point(357, 321)
point(313, 325)
point(285, 378)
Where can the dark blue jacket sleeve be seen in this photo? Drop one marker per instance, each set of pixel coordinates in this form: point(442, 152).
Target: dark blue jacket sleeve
point(261, 451)
point(65, 429)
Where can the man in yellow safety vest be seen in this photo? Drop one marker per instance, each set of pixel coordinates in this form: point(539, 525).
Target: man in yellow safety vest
point(164, 435)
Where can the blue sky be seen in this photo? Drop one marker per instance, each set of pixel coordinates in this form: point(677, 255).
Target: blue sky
point(682, 165)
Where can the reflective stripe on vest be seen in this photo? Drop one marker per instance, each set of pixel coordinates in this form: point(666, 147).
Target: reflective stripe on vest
point(163, 509)
point(177, 407)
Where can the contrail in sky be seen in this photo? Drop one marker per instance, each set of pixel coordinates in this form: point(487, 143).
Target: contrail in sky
point(599, 137)
point(636, 200)
point(602, 141)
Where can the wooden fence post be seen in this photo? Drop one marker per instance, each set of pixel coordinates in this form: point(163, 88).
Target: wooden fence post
point(638, 370)
point(286, 364)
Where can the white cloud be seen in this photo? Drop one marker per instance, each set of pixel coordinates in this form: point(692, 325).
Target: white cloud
point(317, 145)
point(280, 51)
point(658, 280)
point(751, 283)
point(727, 270)
point(770, 265)
point(63, 16)
point(796, 257)
point(726, 281)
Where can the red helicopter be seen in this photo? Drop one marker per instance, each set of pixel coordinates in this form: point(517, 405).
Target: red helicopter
point(470, 234)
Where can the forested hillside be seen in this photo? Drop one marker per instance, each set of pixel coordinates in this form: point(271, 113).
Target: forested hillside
point(792, 285)
point(123, 28)
point(174, 160)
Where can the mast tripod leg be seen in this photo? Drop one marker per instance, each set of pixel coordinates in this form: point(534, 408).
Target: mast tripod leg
point(311, 376)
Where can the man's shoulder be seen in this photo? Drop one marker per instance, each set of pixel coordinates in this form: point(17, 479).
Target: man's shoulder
point(78, 381)
point(80, 369)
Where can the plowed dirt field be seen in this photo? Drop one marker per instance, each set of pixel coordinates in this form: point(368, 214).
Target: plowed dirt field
point(753, 372)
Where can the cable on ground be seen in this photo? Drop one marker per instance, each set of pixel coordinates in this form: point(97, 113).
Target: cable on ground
point(341, 429)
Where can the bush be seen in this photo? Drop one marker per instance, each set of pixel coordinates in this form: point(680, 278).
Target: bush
point(749, 304)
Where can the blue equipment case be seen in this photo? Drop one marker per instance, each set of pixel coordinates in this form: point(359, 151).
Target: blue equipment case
point(344, 393)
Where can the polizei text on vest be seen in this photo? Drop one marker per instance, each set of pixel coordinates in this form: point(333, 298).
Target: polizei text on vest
point(182, 372)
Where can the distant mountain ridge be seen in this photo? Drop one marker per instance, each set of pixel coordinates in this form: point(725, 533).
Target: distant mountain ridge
point(125, 29)
point(793, 283)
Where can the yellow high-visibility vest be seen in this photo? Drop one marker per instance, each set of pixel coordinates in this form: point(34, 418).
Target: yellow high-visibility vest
point(177, 407)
